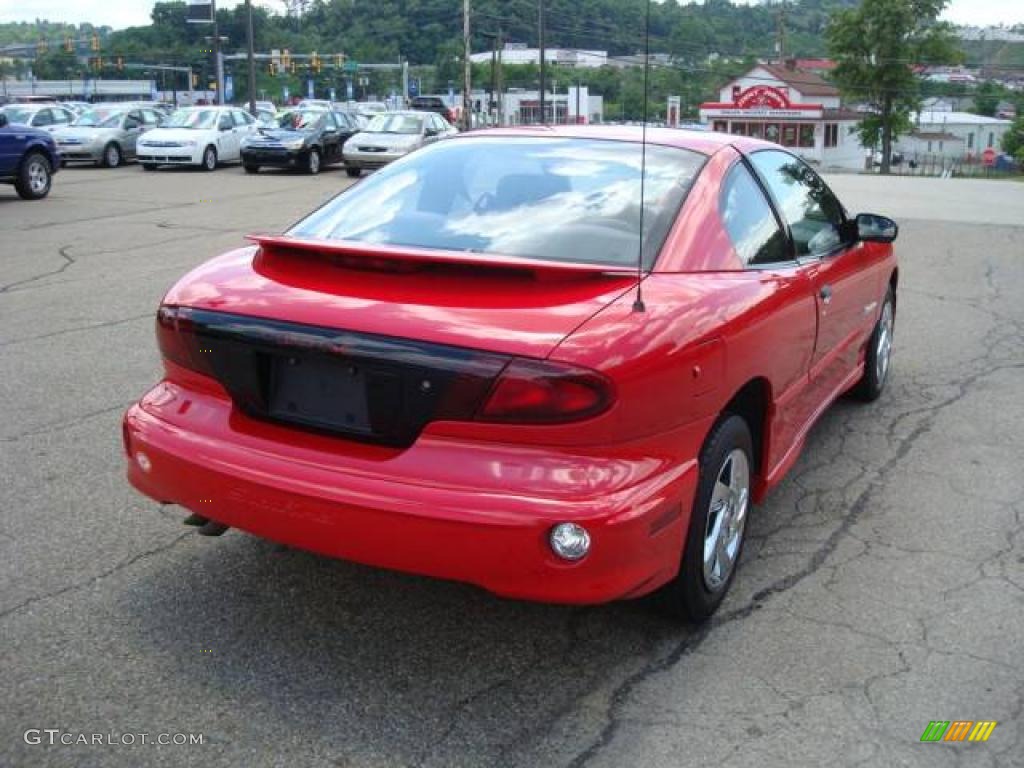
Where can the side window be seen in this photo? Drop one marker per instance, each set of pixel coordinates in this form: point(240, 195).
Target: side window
point(332, 121)
point(132, 120)
point(149, 117)
point(806, 203)
point(750, 221)
point(61, 116)
point(224, 123)
point(43, 117)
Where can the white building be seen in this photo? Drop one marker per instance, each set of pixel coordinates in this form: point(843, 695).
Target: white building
point(946, 132)
point(796, 109)
point(517, 53)
point(87, 89)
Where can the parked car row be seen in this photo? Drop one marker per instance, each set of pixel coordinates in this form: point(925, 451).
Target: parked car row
point(307, 138)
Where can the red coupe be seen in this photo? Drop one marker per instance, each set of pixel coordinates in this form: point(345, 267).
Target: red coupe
point(558, 363)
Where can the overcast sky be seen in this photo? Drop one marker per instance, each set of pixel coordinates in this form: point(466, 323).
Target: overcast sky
point(127, 13)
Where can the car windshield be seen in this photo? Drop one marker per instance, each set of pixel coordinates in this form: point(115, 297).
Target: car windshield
point(555, 199)
point(300, 121)
point(18, 115)
point(192, 118)
point(99, 118)
point(396, 124)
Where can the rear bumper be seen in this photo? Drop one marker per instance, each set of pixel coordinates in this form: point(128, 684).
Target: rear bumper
point(371, 160)
point(443, 508)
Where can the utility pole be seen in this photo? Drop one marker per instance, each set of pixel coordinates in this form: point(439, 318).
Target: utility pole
point(540, 42)
point(252, 58)
point(467, 70)
point(780, 32)
point(218, 63)
point(501, 80)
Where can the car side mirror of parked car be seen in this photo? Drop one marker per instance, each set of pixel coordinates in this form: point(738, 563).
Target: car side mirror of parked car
point(872, 228)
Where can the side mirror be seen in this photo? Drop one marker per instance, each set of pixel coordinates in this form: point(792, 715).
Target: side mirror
point(3, 119)
point(872, 228)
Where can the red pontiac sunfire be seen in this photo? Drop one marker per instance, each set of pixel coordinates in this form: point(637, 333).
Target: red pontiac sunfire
point(448, 369)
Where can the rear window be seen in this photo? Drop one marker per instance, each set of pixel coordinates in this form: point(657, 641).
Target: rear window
point(554, 199)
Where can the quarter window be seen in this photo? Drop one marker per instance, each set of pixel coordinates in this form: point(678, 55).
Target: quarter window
point(750, 221)
point(806, 203)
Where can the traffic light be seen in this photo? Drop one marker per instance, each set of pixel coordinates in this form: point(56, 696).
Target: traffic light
point(96, 62)
point(119, 63)
point(286, 59)
point(195, 80)
point(339, 59)
point(272, 68)
point(314, 62)
point(42, 47)
point(69, 45)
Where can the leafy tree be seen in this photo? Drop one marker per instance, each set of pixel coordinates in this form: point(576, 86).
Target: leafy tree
point(1013, 139)
point(876, 46)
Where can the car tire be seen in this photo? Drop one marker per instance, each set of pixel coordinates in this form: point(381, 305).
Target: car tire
point(112, 156)
point(209, 162)
point(251, 168)
point(355, 173)
point(35, 177)
point(714, 539)
point(877, 357)
point(313, 162)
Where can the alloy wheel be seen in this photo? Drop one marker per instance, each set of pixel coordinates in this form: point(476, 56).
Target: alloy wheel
point(727, 517)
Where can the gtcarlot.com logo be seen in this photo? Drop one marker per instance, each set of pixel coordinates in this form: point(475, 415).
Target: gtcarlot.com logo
point(958, 730)
point(57, 737)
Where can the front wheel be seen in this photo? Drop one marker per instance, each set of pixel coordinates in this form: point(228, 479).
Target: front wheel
point(879, 352)
point(714, 540)
point(34, 177)
point(313, 162)
point(112, 156)
point(355, 173)
point(210, 159)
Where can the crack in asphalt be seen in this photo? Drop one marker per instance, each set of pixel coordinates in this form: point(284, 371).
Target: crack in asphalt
point(120, 566)
point(67, 424)
point(63, 251)
point(78, 329)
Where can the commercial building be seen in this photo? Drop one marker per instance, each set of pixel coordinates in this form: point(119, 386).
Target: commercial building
point(518, 53)
point(958, 135)
point(794, 108)
point(87, 89)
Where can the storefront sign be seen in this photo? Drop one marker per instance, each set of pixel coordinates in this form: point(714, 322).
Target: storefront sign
point(762, 96)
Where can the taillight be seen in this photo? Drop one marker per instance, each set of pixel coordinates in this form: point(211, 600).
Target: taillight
point(533, 392)
point(176, 336)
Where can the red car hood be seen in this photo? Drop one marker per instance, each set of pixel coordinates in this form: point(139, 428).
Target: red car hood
point(518, 308)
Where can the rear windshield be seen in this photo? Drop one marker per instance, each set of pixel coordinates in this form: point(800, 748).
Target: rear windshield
point(396, 124)
point(554, 199)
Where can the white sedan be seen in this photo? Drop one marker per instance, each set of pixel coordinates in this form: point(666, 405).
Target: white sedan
point(202, 136)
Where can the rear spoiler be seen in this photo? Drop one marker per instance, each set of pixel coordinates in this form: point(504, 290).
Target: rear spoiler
point(376, 255)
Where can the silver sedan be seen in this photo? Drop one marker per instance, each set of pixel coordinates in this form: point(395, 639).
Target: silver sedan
point(392, 135)
point(105, 135)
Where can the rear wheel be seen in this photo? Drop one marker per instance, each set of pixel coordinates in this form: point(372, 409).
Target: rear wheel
point(718, 521)
point(210, 158)
point(34, 177)
point(313, 162)
point(878, 354)
point(355, 173)
point(112, 156)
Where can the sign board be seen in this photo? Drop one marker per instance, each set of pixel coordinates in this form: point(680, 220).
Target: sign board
point(200, 12)
point(333, 95)
point(351, 66)
point(762, 96)
point(988, 157)
point(286, 93)
point(229, 88)
point(348, 89)
point(414, 87)
point(310, 89)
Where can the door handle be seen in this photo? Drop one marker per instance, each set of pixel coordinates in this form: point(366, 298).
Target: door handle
point(826, 293)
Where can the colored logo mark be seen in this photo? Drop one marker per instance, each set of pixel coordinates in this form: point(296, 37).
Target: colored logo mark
point(958, 730)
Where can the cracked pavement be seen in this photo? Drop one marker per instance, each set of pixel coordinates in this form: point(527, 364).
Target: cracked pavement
point(882, 585)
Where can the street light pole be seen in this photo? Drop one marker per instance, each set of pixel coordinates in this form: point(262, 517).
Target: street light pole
point(252, 59)
point(543, 79)
point(467, 70)
point(218, 63)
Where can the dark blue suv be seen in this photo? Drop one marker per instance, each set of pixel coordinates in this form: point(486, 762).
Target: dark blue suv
point(28, 159)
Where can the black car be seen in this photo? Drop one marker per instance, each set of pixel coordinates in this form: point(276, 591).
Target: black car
point(307, 139)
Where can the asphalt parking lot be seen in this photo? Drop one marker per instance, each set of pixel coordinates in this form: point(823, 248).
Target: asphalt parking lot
point(882, 585)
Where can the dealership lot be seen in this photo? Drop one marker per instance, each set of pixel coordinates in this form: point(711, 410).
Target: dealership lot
point(882, 588)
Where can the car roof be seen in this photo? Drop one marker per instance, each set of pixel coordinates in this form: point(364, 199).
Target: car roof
point(705, 142)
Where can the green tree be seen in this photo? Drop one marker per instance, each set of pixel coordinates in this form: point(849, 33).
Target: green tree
point(1013, 139)
point(876, 46)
